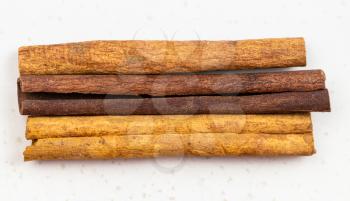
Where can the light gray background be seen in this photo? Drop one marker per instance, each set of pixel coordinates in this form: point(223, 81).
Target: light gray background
point(324, 176)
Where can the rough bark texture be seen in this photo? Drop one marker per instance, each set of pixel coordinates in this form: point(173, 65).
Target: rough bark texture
point(45, 104)
point(157, 57)
point(145, 146)
point(166, 85)
point(88, 126)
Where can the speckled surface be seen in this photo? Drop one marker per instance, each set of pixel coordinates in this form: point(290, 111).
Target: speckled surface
point(323, 176)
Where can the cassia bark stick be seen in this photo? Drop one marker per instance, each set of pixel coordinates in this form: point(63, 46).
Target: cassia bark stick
point(159, 57)
point(46, 104)
point(166, 85)
point(89, 126)
point(145, 146)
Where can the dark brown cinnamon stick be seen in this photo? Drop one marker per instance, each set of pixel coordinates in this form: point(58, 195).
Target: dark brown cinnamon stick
point(166, 85)
point(47, 104)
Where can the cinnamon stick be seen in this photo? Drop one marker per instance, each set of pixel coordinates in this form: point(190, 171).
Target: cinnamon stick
point(93, 126)
point(48, 104)
point(145, 146)
point(166, 85)
point(159, 57)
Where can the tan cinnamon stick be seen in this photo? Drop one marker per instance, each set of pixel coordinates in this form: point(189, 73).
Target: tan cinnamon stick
point(167, 85)
point(144, 146)
point(87, 126)
point(157, 57)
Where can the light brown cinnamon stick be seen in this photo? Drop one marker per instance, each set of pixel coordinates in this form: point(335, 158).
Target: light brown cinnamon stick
point(93, 126)
point(145, 146)
point(159, 57)
point(166, 85)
